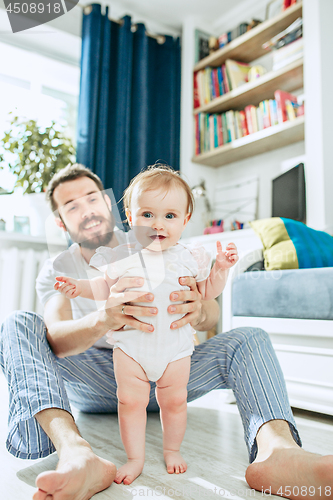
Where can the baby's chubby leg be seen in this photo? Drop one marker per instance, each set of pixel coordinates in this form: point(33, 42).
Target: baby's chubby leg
point(171, 395)
point(133, 397)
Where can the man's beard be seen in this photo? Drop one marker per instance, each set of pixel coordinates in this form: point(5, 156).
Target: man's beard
point(96, 240)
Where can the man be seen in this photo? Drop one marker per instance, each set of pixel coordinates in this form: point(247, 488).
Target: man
point(63, 357)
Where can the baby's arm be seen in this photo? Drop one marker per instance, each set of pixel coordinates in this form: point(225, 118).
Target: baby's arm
point(94, 289)
point(216, 281)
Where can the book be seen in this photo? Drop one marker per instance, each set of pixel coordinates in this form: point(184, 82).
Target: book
point(286, 4)
point(291, 110)
point(243, 123)
point(286, 36)
point(219, 130)
point(273, 112)
point(254, 119)
point(201, 45)
point(223, 40)
point(231, 125)
point(281, 97)
point(238, 129)
point(225, 79)
point(196, 101)
point(266, 114)
point(260, 118)
point(237, 73)
point(225, 133)
point(211, 132)
point(248, 114)
point(216, 139)
point(220, 80)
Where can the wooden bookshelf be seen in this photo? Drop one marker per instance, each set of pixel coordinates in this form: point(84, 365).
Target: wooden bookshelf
point(248, 47)
point(254, 144)
point(288, 78)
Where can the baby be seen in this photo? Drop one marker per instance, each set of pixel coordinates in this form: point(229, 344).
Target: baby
point(158, 205)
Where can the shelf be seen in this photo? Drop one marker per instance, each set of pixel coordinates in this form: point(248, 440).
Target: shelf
point(254, 144)
point(248, 47)
point(288, 78)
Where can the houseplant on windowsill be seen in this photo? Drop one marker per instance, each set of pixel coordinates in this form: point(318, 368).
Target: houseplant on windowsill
point(34, 154)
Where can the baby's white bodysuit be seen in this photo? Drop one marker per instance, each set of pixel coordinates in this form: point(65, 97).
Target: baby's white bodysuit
point(161, 271)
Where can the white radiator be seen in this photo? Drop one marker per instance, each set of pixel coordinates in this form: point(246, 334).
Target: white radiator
point(18, 272)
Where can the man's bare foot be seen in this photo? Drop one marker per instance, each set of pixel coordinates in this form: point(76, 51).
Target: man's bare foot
point(128, 472)
point(293, 473)
point(79, 475)
point(174, 462)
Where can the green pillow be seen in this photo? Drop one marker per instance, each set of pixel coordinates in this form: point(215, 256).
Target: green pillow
point(289, 244)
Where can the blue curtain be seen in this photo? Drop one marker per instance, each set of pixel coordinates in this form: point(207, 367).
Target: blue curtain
point(129, 106)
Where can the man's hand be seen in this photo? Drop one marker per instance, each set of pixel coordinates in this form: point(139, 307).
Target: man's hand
point(120, 306)
point(192, 307)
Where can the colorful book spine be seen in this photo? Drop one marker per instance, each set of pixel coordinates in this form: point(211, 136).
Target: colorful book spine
point(225, 79)
point(196, 101)
point(243, 123)
point(219, 130)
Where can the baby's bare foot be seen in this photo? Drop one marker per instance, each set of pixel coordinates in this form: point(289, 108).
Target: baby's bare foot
point(174, 462)
point(128, 472)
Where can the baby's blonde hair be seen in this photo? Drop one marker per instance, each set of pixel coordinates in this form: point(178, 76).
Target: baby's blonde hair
point(155, 177)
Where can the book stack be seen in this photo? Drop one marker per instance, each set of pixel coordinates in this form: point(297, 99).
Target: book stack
point(242, 28)
point(211, 83)
point(214, 130)
point(288, 54)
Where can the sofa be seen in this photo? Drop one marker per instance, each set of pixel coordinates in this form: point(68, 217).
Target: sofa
point(295, 306)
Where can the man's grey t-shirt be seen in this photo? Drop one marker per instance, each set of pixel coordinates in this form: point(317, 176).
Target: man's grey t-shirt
point(71, 263)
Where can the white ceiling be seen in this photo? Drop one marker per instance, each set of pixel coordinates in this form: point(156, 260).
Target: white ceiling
point(173, 12)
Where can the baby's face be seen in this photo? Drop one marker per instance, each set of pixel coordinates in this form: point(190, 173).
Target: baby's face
point(158, 216)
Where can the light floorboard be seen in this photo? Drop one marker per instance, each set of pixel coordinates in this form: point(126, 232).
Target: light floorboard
point(213, 447)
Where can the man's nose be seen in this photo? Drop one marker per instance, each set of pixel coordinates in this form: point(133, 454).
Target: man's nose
point(87, 210)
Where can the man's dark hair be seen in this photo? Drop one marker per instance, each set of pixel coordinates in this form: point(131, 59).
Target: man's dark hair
point(70, 173)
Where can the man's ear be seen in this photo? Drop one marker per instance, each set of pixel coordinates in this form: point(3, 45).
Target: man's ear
point(59, 223)
point(129, 216)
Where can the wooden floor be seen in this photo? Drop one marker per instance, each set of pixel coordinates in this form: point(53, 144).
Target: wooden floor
point(213, 447)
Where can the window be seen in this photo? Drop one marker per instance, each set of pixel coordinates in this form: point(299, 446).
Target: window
point(39, 88)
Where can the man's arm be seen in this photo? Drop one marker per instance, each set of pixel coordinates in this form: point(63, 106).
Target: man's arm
point(68, 337)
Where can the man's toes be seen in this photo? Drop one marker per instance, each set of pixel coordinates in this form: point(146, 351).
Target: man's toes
point(39, 495)
point(51, 481)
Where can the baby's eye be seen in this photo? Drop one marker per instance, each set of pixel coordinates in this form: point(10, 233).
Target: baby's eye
point(170, 216)
point(147, 215)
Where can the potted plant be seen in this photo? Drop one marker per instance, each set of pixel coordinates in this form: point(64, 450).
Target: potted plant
point(37, 153)
point(34, 154)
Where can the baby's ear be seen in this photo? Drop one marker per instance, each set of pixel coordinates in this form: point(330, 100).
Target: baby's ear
point(129, 216)
point(187, 218)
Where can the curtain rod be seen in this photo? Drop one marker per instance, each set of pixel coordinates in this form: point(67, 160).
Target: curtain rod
point(88, 8)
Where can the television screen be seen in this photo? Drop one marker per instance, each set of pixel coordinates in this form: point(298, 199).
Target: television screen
point(288, 194)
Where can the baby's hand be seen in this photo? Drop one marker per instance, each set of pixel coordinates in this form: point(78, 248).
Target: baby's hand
point(68, 287)
point(227, 259)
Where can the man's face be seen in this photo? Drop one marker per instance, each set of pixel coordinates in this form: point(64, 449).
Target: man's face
point(85, 212)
